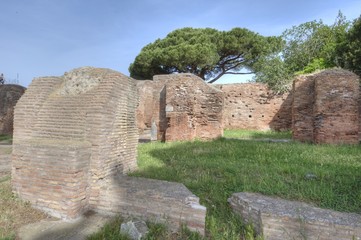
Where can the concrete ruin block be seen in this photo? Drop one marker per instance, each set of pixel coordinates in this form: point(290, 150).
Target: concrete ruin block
point(326, 107)
point(9, 95)
point(71, 134)
point(276, 218)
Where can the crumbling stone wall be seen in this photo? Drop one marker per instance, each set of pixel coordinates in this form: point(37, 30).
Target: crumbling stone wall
point(255, 106)
point(180, 107)
point(9, 95)
point(326, 107)
point(71, 135)
point(193, 109)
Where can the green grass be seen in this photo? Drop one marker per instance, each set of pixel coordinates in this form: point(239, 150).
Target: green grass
point(214, 170)
point(254, 134)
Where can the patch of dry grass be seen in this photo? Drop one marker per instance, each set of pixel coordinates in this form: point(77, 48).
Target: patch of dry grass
point(14, 213)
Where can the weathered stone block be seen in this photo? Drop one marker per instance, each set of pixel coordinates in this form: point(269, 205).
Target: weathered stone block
point(275, 219)
point(167, 202)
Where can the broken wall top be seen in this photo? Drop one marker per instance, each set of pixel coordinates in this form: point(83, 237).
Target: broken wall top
point(59, 107)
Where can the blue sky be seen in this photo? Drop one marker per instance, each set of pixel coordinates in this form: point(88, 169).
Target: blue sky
point(50, 37)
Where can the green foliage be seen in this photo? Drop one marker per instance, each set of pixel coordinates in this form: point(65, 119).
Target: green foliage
point(349, 48)
point(313, 40)
point(307, 47)
point(314, 65)
point(214, 170)
point(205, 52)
point(274, 73)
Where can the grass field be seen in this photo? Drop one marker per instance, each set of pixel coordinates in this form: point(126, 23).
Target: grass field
point(326, 176)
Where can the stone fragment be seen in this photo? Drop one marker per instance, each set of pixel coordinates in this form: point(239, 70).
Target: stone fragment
point(135, 230)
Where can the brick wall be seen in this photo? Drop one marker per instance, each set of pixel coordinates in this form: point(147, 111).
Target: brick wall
point(255, 106)
point(70, 134)
point(326, 107)
point(302, 108)
point(193, 109)
point(246, 105)
point(9, 95)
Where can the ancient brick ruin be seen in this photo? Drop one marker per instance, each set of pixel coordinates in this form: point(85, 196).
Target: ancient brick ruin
point(181, 107)
point(326, 107)
point(255, 106)
point(193, 109)
point(72, 134)
point(75, 138)
point(9, 95)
